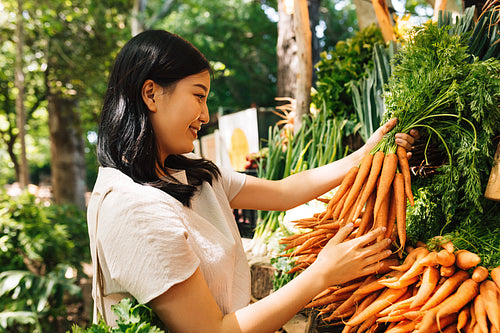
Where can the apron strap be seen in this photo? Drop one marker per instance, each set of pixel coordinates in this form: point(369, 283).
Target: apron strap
point(98, 281)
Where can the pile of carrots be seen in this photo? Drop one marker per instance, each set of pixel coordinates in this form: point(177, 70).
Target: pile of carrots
point(431, 291)
point(438, 290)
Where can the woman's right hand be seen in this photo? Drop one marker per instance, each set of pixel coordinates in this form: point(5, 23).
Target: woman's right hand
point(343, 260)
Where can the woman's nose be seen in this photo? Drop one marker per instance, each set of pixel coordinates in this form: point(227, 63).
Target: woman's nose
point(205, 115)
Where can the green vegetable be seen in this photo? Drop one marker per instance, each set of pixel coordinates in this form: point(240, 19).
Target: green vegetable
point(453, 97)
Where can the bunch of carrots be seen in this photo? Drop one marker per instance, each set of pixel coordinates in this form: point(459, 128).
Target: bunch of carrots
point(371, 195)
point(431, 291)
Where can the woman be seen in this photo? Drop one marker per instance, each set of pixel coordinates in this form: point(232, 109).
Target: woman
point(160, 220)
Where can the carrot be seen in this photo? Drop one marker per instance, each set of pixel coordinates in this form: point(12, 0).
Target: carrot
point(410, 259)
point(405, 170)
point(479, 274)
point(428, 260)
point(428, 323)
point(480, 312)
point(430, 279)
point(450, 329)
point(489, 294)
point(495, 276)
point(447, 271)
point(464, 294)
point(371, 181)
point(367, 324)
point(448, 246)
point(327, 300)
point(401, 283)
point(348, 288)
point(386, 298)
point(446, 289)
point(349, 217)
point(463, 317)
point(386, 177)
point(445, 258)
point(342, 189)
point(363, 171)
point(391, 217)
point(403, 303)
point(399, 193)
point(381, 217)
point(403, 327)
point(466, 259)
point(367, 218)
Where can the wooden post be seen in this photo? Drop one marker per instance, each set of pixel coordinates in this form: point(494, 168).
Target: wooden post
point(304, 73)
point(440, 5)
point(493, 187)
point(384, 20)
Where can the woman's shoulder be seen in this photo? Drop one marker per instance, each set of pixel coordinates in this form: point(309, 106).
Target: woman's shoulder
point(124, 191)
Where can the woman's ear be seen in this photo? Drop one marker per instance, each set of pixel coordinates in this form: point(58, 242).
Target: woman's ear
point(148, 95)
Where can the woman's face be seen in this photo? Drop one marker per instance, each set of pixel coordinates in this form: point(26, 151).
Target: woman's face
point(177, 113)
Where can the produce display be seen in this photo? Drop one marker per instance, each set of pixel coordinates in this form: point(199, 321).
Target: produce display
point(444, 273)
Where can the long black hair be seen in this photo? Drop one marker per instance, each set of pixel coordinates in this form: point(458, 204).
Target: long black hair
point(126, 140)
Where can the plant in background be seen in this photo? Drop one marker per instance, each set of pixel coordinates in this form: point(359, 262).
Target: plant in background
point(337, 68)
point(41, 248)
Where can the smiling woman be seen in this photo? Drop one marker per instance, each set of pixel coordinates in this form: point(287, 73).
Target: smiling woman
point(161, 221)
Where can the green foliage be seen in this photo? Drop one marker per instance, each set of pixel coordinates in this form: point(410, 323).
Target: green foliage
point(339, 67)
point(132, 318)
point(39, 245)
point(39, 237)
point(31, 302)
point(240, 41)
point(453, 98)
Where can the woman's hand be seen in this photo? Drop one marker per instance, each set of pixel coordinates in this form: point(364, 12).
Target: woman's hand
point(402, 139)
point(341, 261)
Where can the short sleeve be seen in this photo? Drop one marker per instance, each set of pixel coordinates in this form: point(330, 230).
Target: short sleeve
point(232, 182)
point(145, 248)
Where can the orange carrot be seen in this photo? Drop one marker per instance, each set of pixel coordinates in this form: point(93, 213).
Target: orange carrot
point(387, 174)
point(381, 217)
point(445, 258)
point(367, 218)
point(410, 259)
point(429, 259)
point(386, 298)
point(405, 170)
point(371, 181)
point(391, 217)
point(364, 169)
point(446, 289)
point(448, 246)
point(463, 317)
point(447, 271)
point(480, 312)
point(367, 324)
point(342, 189)
point(495, 276)
point(464, 294)
point(489, 294)
point(399, 192)
point(429, 280)
point(401, 283)
point(466, 259)
point(479, 274)
point(327, 300)
point(404, 326)
point(376, 284)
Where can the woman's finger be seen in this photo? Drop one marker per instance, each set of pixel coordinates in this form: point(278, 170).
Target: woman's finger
point(370, 236)
point(342, 234)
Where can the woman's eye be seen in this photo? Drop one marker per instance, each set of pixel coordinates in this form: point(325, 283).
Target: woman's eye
point(200, 97)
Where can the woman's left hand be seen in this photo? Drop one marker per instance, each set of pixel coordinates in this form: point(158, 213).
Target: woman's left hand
point(406, 140)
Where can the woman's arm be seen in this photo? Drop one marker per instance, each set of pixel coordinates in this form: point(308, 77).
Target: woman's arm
point(302, 187)
point(190, 307)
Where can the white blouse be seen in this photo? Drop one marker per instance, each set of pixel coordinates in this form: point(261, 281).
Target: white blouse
point(145, 241)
